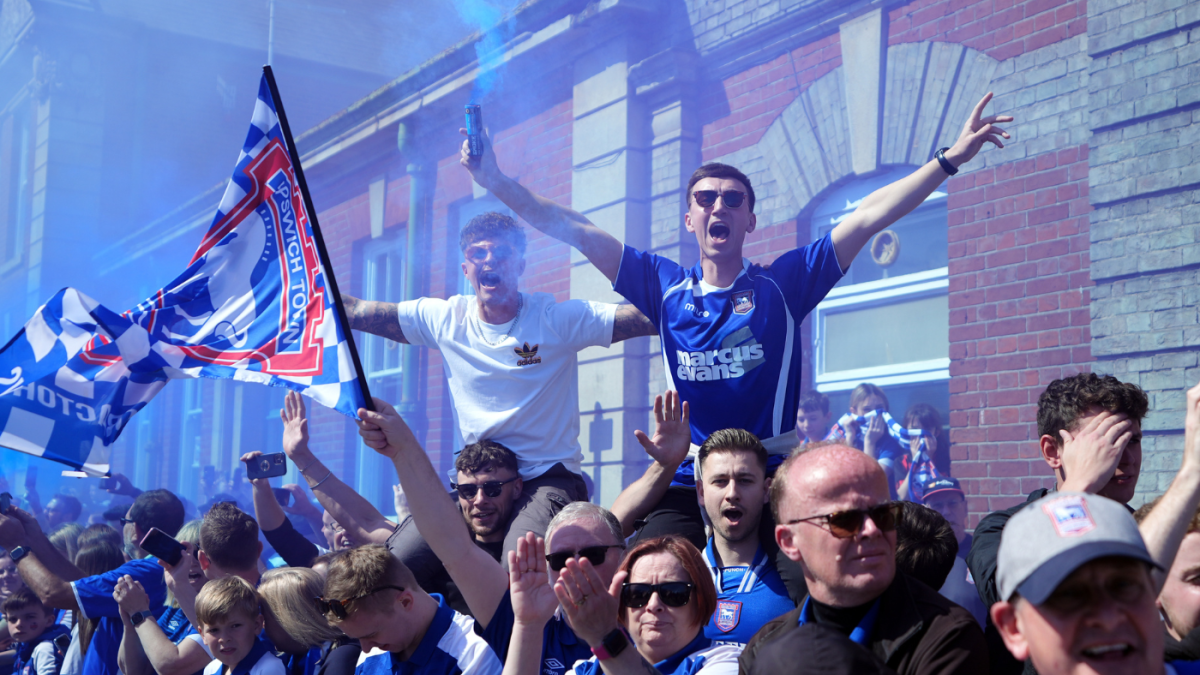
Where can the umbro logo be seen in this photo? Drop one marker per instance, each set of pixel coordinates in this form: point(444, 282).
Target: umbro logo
point(528, 355)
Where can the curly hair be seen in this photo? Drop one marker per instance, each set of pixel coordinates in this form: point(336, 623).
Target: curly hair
point(1069, 398)
point(490, 225)
point(485, 456)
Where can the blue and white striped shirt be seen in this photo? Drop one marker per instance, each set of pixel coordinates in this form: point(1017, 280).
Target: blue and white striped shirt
point(450, 647)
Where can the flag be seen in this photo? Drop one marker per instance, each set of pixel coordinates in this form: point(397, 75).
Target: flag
point(255, 304)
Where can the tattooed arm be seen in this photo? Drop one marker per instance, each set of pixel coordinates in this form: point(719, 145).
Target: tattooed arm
point(630, 323)
point(377, 318)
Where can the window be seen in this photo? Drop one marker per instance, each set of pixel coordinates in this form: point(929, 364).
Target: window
point(886, 321)
point(382, 359)
point(14, 182)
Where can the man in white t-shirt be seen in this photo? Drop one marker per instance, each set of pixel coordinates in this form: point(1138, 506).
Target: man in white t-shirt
point(511, 363)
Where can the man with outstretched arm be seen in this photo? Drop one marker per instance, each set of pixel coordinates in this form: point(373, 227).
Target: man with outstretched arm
point(729, 328)
point(523, 344)
point(581, 529)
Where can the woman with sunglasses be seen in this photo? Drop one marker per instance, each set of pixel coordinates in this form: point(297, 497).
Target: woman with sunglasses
point(298, 628)
point(654, 612)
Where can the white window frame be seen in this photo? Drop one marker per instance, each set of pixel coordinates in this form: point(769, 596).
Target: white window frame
point(930, 283)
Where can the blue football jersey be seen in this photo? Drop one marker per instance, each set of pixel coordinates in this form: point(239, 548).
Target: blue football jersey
point(747, 598)
point(733, 353)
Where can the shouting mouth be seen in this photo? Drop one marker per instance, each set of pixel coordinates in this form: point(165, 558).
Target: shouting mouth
point(732, 515)
point(718, 232)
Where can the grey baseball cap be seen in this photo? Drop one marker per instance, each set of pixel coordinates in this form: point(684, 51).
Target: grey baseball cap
point(1051, 538)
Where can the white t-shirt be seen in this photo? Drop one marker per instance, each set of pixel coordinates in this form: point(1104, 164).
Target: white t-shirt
point(268, 664)
point(523, 392)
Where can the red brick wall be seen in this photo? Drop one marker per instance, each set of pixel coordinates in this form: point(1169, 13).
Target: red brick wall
point(1001, 29)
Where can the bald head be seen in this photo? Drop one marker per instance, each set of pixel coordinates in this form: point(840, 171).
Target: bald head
point(821, 471)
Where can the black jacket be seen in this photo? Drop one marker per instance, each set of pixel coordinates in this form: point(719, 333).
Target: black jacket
point(917, 632)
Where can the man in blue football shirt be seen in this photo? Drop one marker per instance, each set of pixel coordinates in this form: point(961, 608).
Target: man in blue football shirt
point(60, 584)
point(730, 328)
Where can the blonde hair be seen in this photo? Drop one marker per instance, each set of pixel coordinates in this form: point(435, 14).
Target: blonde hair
point(190, 533)
point(288, 595)
point(224, 597)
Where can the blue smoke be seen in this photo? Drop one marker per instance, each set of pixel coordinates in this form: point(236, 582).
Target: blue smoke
point(488, 20)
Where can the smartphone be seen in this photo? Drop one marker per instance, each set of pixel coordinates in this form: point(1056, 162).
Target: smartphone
point(267, 466)
point(284, 497)
point(5, 502)
point(474, 129)
point(162, 546)
point(108, 483)
point(31, 477)
point(62, 642)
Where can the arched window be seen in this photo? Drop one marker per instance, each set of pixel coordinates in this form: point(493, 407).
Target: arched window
point(887, 321)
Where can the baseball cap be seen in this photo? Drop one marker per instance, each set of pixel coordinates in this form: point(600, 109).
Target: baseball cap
point(942, 484)
point(1045, 542)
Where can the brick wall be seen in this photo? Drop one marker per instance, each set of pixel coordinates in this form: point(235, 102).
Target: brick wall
point(1145, 189)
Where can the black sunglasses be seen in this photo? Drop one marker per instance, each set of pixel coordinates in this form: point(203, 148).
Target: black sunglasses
point(672, 593)
point(491, 488)
point(846, 524)
point(594, 554)
point(338, 607)
point(732, 198)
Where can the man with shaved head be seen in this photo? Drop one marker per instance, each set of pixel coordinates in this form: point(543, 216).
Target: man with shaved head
point(831, 503)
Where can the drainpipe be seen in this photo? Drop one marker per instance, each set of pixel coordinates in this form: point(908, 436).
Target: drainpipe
point(420, 191)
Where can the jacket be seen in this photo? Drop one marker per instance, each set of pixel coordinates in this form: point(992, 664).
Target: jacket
point(917, 632)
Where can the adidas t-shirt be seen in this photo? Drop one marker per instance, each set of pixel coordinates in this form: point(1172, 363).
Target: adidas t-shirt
point(733, 353)
point(513, 392)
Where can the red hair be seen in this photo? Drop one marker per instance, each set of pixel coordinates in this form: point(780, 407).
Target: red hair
point(704, 593)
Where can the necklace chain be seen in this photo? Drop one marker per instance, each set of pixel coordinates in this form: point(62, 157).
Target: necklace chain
point(511, 327)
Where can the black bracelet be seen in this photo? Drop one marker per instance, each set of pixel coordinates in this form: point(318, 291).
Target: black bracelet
point(946, 165)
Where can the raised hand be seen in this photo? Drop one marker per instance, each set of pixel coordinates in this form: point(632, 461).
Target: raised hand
point(591, 607)
point(533, 597)
point(484, 169)
point(300, 505)
point(12, 532)
point(977, 131)
point(295, 426)
point(1089, 457)
point(384, 430)
point(177, 575)
point(257, 483)
point(672, 433)
point(130, 596)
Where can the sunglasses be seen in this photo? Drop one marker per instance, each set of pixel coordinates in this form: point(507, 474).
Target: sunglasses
point(846, 524)
point(594, 554)
point(672, 593)
point(479, 255)
point(491, 488)
point(338, 607)
point(732, 198)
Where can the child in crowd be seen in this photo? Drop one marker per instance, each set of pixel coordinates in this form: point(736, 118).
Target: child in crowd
point(872, 438)
point(229, 612)
point(31, 624)
point(812, 418)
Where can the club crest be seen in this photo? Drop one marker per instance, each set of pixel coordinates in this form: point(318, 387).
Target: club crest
point(743, 302)
point(1070, 516)
point(729, 613)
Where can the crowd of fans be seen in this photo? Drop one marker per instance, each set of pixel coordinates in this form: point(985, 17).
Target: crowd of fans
point(762, 537)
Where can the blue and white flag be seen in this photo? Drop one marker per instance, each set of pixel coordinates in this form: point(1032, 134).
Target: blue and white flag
point(253, 305)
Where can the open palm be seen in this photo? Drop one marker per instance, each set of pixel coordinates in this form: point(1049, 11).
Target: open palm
point(533, 598)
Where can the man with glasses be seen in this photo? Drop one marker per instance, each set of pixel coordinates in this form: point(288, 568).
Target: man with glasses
point(1077, 594)
point(511, 362)
point(60, 584)
point(730, 328)
point(372, 597)
point(831, 503)
point(580, 530)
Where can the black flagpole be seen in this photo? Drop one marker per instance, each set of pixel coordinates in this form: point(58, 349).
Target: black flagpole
point(330, 281)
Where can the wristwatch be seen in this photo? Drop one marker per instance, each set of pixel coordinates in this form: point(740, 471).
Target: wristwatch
point(138, 617)
point(613, 644)
point(17, 553)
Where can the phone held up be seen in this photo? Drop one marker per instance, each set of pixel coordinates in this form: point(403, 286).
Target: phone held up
point(162, 546)
point(5, 502)
point(266, 466)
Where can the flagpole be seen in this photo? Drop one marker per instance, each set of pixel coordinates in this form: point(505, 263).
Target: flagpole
point(338, 309)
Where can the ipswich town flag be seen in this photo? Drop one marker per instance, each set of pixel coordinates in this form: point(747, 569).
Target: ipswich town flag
point(255, 304)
